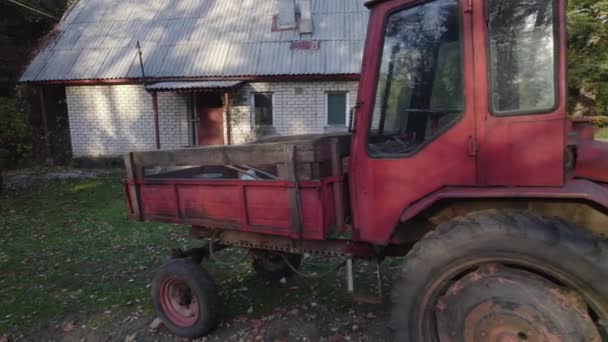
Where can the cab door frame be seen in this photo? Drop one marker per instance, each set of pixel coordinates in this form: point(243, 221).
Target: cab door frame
point(382, 188)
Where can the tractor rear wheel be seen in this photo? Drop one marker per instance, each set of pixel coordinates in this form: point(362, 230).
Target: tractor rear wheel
point(274, 265)
point(186, 298)
point(503, 276)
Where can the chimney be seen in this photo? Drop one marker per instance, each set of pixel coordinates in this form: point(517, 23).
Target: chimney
point(305, 16)
point(287, 14)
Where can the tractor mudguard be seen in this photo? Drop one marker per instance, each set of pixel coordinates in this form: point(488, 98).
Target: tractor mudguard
point(578, 189)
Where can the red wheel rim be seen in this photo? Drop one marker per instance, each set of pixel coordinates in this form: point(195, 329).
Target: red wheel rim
point(178, 302)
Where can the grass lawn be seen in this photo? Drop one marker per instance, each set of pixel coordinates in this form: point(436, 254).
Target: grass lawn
point(67, 252)
point(602, 133)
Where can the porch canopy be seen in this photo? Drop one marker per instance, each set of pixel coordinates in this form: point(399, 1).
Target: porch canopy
point(193, 86)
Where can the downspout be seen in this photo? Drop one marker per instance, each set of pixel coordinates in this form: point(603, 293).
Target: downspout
point(154, 96)
point(156, 123)
point(228, 118)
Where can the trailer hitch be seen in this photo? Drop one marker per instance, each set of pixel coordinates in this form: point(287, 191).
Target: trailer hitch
point(198, 254)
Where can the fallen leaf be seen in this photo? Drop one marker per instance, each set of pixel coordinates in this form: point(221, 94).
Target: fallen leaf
point(67, 326)
point(131, 338)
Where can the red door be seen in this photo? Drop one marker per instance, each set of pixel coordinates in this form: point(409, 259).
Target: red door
point(210, 111)
point(415, 128)
point(520, 74)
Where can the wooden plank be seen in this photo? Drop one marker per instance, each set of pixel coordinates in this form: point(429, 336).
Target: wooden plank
point(132, 175)
point(304, 171)
point(293, 194)
point(225, 155)
point(307, 151)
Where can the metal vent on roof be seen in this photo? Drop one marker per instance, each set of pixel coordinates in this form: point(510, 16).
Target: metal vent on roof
point(287, 14)
point(305, 16)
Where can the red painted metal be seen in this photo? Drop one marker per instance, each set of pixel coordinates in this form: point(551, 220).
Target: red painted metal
point(577, 189)
point(183, 313)
point(156, 120)
point(245, 205)
point(522, 150)
point(592, 160)
point(381, 188)
point(516, 151)
point(584, 129)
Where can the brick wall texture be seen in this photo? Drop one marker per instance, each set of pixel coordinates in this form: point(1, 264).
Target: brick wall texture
point(111, 120)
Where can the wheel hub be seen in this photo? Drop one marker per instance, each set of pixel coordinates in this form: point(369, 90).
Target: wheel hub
point(500, 304)
point(494, 321)
point(178, 302)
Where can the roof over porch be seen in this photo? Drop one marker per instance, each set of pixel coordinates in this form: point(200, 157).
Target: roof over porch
point(193, 86)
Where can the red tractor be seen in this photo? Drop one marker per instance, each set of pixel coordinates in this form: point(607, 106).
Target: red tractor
point(460, 157)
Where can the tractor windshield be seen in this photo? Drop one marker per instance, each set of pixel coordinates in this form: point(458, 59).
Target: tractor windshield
point(419, 92)
point(521, 56)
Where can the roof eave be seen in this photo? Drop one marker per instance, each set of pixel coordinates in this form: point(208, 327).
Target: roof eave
point(252, 78)
point(371, 3)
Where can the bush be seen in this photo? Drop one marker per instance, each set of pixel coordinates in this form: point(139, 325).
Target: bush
point(599, 121)
point(15, 133)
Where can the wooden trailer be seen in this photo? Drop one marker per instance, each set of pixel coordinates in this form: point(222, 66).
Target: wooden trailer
point(291, 187)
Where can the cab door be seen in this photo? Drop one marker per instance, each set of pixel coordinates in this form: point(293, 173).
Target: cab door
point(415, 125)
point(520, 74)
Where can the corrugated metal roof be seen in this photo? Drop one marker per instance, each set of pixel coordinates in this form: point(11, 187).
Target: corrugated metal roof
point(190, 85)
point(198, 38)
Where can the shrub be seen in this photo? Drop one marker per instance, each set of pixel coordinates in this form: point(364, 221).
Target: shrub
point(15, 133)
point(599, 121)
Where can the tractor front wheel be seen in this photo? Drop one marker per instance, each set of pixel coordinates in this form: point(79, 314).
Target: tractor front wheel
point(186, 298)
point(503, 276)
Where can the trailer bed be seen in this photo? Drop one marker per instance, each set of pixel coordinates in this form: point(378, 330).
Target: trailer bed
point(290, 188)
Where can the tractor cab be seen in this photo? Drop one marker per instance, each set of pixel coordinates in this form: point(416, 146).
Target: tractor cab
point(457, 93)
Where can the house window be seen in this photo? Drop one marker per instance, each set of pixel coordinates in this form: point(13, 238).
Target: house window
point(336, 109)
point(262, 109)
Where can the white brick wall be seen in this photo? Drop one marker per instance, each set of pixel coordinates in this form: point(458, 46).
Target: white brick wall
point(111, 120)
point(299, 107)
point(114, 119)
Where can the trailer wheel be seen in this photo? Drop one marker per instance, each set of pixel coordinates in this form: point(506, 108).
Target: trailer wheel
point(273, 265)
point(503, 276)
point(186, 298)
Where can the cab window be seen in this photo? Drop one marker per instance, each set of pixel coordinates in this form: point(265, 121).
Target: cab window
point(521, 56)
point(419, 93)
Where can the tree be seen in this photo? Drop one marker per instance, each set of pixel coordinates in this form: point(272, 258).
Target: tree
point(588, 56)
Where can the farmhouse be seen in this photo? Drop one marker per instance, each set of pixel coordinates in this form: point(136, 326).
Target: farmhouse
point(143, 75)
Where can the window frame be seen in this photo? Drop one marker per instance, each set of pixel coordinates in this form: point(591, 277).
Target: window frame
point(556, 60)
point(465, 105)
point(253, 94)
point(346, 109)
